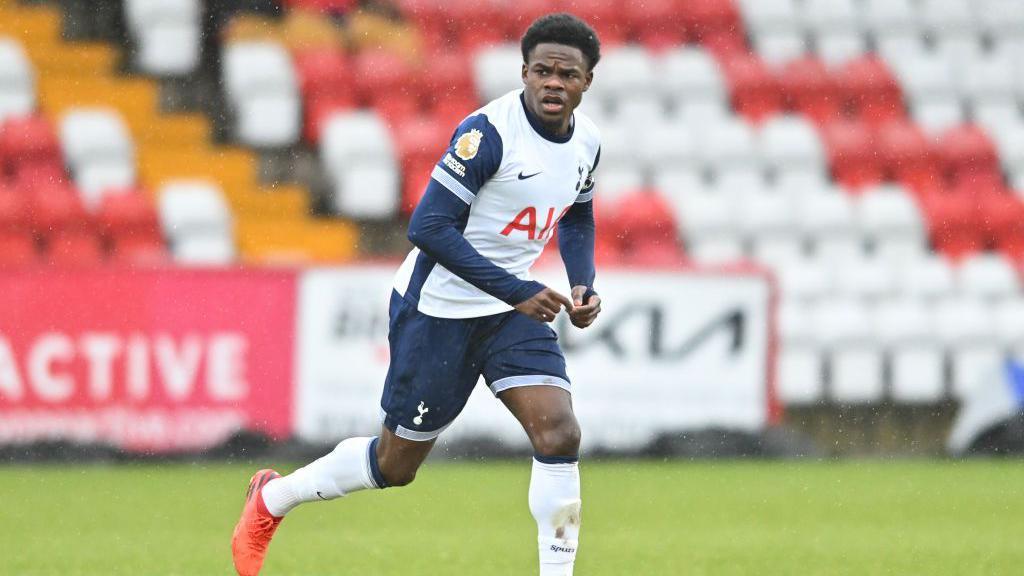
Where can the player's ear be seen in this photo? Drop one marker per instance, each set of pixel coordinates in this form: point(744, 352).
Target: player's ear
point(524, 73)
point(587, 80)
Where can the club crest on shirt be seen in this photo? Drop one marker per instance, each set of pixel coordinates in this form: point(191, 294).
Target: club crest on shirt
point(468, 144)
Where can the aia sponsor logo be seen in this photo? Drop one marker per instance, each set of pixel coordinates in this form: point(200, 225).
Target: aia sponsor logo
point(526, 221)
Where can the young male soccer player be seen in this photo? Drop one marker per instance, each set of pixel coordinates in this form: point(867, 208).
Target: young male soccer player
point(462, 306)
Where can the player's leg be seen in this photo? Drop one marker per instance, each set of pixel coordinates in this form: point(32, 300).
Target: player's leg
point(546, 415)
point(526, 370)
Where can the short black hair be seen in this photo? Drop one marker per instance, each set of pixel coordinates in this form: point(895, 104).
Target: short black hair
point(563, 29)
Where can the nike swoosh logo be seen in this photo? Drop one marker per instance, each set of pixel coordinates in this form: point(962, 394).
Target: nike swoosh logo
point(521, 177)
point(321, 496)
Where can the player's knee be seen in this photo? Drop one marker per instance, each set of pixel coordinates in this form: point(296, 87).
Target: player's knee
point(398, 475)
point(560, 438)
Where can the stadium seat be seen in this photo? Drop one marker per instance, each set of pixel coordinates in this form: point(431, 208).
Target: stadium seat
point(166, 34)
point(915, 356)
point(942, 18)
point(646, 221)
point(864, 278)
point(497, 70)
point(98, 151)
point(326, 83)
point(870, 90)
point(953, 223)
point(891, 221)
point(17, 81)
point(196, 221)
point(987, 276)
point(690, 74)
point(421, 141)
point(670, 145)
point(843, 328)
point(27, 142)
point(790, 144)
point(716, 24)
point(800, 376)
point(262, 88)
point(1009, 316)
point(907, 155)
point(628, 72)
point(708, 227)
point(889, 16)
point(780, 47)
point(967, 329)
point(367, 190)
point(851, 152)
point(767, 222)
point(770, 15)
point(74, 248)
point(990, 79)
point(56, 208)
point(731, 144)
point(810, 89)
point(803, 279)
point(930, 278)
point(966, 152)
point(17, 249)
point(828, 222)
point(128, 215)
point(754, 90)
point(352, 137)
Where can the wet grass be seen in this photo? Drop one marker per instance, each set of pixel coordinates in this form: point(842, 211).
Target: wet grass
point(639, 518)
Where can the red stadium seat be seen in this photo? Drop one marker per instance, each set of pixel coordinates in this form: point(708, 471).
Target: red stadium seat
point(445, 78)
point(1002, 220)
point(907, 156)
point(658, 25)
point(319, 111)
point(31, 177)
point(967, 153)
point(421, 141)
point(397, 108)
point(645, 219)
point(606, 17)
point(716, 24)
point(380, 74)
point(451, 111)
point(521, 13)
point(17, 249)
point(953, 223)
point(415, 177)
point(431, 17)
point(128, 215)
point(140, 251)
point(852, 154)
point(58, 208)
point(870, 91)
point(325, 74)
point(74, 248)
point(14, 213)
point(477, 23)
point(755, 92)
point(810, 89)
point(26, 142)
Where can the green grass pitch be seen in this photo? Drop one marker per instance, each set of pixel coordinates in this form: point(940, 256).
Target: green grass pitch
point(639, 518)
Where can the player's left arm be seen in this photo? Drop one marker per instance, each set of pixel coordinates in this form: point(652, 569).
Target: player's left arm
point(576, 245)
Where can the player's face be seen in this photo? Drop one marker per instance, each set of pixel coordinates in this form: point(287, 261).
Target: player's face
point(556, 76)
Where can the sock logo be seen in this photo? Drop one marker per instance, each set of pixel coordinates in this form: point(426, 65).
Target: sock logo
point(555, 548)
point(422, 410)
point(320, 496)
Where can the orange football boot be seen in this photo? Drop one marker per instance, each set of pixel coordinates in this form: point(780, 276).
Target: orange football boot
point(255, 528)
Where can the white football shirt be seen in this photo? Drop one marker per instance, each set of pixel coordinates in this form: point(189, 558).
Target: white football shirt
point(518, 180)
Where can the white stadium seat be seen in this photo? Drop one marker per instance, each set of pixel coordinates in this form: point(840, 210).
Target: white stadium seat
point(967, 329)
point(916, 367)
point(709, 227)
point(864, 278)
point(1003, 19)
point(767, 223)
point(353, 137)
point(770, 15)
point(690, 73)
point(836, 48)
point(928, 278)
point(988, 276)
point(892, 222)
point(792, 149)
point(943, 17)
point(627, 72)
point(262, 88)
point(800, 377)
point(731, 143)
point(996, 117)
point(776, 47)
point(99, 152)
point(804, 279)
point(991, 78)
point(1009, 141)
point(843, 327)
point(640, 110)
point(616, 181)
point(167, 33)
point(674, 182)
point(668, 144)
point(497, 71)
point(887, 16)
point(197, 221)
point(936, 116)
point(1009, 315)
point(827, 221)
point(368, 190)
point(824, 16)
point(924, 75)
point(17, 80)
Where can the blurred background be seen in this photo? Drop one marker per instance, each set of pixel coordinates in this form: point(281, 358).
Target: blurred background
point(810, 219)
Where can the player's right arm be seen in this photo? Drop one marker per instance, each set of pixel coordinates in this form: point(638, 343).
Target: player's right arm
point(436, 226)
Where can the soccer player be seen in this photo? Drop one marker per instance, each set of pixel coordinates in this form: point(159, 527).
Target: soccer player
point(463, 305)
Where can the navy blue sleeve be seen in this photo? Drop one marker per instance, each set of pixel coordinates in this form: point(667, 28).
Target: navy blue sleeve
point(576, 244)
point(436, 229)
point(473, 156)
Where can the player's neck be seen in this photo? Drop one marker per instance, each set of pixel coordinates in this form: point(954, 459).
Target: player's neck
point(558, 134)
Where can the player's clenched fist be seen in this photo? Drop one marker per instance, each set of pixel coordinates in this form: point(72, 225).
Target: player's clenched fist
point(583, 313)
point(544, 305)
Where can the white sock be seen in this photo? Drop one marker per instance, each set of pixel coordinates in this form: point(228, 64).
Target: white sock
point(346, 469)
point(555, 504)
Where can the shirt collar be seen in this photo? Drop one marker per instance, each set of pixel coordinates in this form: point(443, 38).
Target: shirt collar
point(544, 132)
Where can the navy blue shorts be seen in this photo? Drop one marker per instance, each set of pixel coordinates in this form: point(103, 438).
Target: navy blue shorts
point(436, 363)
